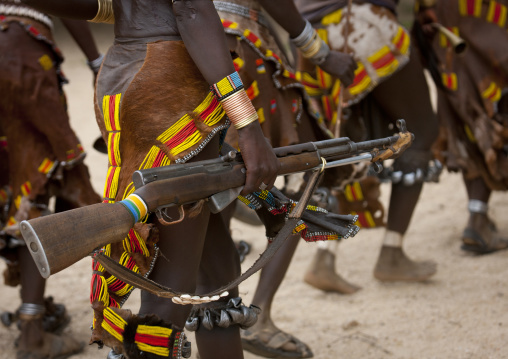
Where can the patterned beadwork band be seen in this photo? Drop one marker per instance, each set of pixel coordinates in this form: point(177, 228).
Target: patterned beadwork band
point(227, 86)
point(16, 10)
point(136, 206)
point(237, 105)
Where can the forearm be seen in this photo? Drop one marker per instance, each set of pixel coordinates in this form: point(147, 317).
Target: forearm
point(73, 9)
point(284, 12)
point(80, 31)
point(202, 32)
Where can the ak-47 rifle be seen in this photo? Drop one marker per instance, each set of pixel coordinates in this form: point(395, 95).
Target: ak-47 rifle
point(59, 240)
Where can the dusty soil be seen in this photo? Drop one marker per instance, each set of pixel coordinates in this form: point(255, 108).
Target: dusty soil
point(461, 313)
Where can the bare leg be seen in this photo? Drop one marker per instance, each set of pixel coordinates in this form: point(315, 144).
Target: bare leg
point(406, 96)
point(199, 247)
point(220, 264)
point(34, 342)
point(264, 338)
point(480, 235)
point(181, 246)
point(32, 283)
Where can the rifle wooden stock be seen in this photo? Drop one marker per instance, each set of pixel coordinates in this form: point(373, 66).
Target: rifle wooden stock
point(61, 239)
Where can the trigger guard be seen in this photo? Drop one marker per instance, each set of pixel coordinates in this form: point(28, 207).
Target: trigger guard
point(165, 219)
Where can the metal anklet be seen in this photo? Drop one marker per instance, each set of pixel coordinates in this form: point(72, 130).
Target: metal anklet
point(32, 309)
point(477, 206)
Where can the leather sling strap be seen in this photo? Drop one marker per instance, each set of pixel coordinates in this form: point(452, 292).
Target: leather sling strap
point(141, 282)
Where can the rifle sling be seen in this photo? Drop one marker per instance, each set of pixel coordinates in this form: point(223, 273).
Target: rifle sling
point(141, 282)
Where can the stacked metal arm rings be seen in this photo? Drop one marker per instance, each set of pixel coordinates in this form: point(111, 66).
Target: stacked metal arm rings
point(105, 13)
point(235, 102)
point(311, 45)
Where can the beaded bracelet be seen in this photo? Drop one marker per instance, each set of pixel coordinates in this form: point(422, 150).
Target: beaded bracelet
point(235, 102)
point(311, 45)
point(136, 206)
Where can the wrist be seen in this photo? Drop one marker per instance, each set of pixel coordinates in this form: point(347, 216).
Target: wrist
point(311, 45)
point(234, 100)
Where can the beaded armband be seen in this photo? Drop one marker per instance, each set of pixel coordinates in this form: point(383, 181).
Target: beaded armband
point(311, 45)
point(136, 206)
point(235, 102)
point(105, 13)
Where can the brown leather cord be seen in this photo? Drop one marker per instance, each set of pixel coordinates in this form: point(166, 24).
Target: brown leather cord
point(141, 282)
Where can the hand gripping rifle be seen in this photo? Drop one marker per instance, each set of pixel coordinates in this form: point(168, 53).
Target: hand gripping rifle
point(59, 240)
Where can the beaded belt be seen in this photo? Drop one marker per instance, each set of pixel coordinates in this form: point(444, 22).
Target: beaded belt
point(242, 11)
point(15, 10)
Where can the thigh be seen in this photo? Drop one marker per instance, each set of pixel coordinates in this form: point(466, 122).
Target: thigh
point(406, 96)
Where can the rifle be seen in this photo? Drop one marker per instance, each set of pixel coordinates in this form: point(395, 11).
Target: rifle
point(59, 240)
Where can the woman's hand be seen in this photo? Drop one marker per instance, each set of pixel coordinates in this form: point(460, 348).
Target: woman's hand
point(260, 161)
point(341, 65)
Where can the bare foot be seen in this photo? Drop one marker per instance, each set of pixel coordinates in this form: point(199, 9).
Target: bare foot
point(34, 343)
point(481, 236)
point(266, 340)
point(393, 265)
point(321, 274)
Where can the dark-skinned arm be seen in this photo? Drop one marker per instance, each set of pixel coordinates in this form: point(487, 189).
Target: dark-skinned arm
point(81, 33)
point(286, 14)
point(72, 9)
point(202, 32)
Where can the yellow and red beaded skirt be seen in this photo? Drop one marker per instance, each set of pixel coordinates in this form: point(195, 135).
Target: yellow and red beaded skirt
point(154, 109)
point(377, 41)
point(271, 85)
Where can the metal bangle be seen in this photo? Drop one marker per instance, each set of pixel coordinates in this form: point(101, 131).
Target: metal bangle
point(105, 12)
point(32, 309)
point(311, 45)
point(305, 36)
point(477, 206)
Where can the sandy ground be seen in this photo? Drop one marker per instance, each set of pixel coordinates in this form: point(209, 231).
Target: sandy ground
point(461, 313)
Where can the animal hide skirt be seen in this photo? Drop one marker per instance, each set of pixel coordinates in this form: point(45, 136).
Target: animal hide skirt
point(40, 155)
point(154, 109)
